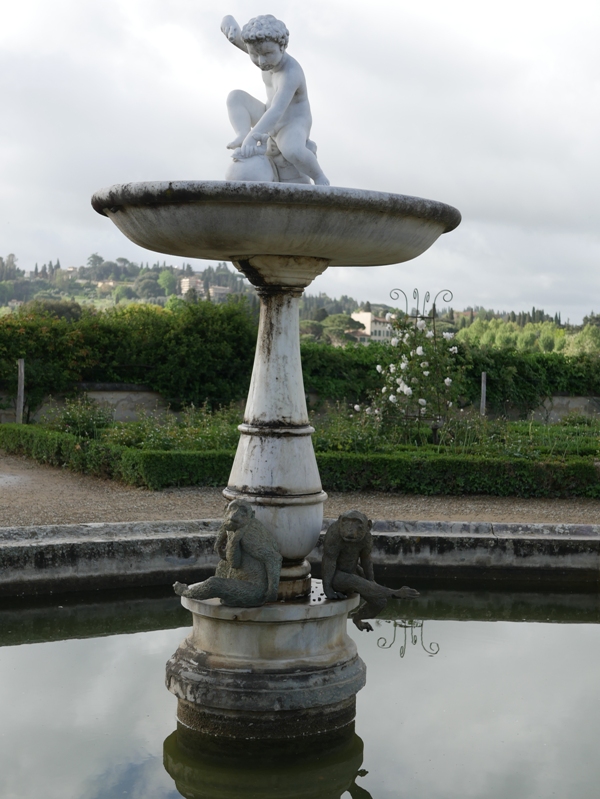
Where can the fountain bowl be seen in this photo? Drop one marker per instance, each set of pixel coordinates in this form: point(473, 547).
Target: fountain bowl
point(234, 221)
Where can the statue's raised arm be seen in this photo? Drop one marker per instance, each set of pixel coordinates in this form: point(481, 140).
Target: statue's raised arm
point(233, 32)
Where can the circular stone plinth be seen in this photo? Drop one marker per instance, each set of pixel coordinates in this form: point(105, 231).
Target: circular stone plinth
point(234, 221)
point(281, 670)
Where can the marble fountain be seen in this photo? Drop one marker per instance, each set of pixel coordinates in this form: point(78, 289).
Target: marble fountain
point(285, 669)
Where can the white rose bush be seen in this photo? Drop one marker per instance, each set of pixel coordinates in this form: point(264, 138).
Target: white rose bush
point(421, 385)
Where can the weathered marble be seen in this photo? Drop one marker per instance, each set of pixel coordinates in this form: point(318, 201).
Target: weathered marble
point(272, 141)
point(237, 221)
point(292, 662)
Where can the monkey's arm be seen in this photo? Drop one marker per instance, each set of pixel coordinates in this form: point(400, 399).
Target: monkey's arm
point(234, 550)
point(329, 564)
point(221, 542)
point(367, 563)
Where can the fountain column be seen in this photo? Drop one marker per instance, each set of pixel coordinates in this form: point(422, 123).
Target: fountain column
point(275, 467)
point(285, 670)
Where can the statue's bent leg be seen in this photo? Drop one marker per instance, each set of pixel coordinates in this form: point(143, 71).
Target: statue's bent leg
point(292, 141)
point(244, 112)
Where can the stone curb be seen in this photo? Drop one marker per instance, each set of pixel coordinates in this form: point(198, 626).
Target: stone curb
point(76, 557)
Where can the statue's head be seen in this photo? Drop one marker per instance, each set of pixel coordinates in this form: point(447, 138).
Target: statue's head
point(266, 38)
point(354, 525)
point(239, 513)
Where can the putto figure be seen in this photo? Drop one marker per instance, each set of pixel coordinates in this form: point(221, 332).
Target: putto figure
point(272, 139)
point(248, 573)
point(347, 567)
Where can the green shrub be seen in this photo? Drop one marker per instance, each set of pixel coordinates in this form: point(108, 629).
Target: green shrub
point(525, 379)
point(425, 472)
point(203, 352)
point(193, 353)
point(450, 474)
point(81, 416)
point(196, 429)
point(342, 373)
point(163, 469)
point(62, 449)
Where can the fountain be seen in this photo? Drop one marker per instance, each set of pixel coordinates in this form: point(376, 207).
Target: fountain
point(286, 669)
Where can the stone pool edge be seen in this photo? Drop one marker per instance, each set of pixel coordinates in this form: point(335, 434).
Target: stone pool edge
point(62, 558)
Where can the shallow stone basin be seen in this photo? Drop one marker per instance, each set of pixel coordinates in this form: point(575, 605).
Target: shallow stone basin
point(234, 221)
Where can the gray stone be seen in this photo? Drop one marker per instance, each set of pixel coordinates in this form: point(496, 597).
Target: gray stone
point(75, 557)
point(248, 573)
point(236, 220)
point(347, 568)
point(272, 668)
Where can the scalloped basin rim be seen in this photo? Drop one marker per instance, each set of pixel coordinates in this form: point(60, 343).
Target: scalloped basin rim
point(237, 220)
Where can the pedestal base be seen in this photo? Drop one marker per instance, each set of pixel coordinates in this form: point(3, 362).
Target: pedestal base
point(279, 671)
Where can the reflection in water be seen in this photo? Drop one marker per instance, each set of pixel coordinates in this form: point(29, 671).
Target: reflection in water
point(414, 637)
point(507, 709)
point(219, 774)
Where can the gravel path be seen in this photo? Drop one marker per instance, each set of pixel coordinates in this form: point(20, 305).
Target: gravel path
point(32, 494)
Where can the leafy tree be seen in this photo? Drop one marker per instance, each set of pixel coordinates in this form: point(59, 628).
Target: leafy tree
point(167, 281)
point(148, 286)
point(123, 293)
point(336, 325)
point(95, 260)
point(61, 309)
point(592, 319)
point(312, 329)
point(8, 268)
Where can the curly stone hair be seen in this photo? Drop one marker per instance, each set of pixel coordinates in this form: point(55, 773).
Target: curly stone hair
point(266, 28)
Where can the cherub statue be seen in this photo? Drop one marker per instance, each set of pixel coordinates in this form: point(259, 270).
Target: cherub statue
point(248, 574)
point(347, 542)
point(278, 129)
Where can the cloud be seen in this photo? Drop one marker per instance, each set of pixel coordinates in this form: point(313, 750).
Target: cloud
point(488, 108)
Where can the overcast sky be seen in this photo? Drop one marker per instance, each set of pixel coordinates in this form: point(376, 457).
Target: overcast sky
point(492, 108)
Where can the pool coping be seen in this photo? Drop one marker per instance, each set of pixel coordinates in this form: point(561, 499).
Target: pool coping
point(45, 559)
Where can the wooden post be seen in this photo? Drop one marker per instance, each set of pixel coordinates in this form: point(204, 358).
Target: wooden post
point(483, 391)
point(20, 391)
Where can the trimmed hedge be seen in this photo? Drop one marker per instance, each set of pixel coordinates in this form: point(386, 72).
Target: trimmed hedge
point(433, 473)
point(152, 469)
point(525, 379)
point(62, 449)
point(403, 472)
point(160, 469)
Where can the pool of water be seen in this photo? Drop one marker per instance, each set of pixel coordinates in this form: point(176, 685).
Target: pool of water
point(483, 695)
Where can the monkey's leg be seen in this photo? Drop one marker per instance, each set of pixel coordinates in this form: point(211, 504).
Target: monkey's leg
point(235, 593)
point(375, 597)
point(208, 589)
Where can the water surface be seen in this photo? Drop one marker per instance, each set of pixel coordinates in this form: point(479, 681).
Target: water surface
point(452, 708)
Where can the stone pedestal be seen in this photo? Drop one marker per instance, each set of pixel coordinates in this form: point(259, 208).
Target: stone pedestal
point(284, 670)
point(275, 468)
